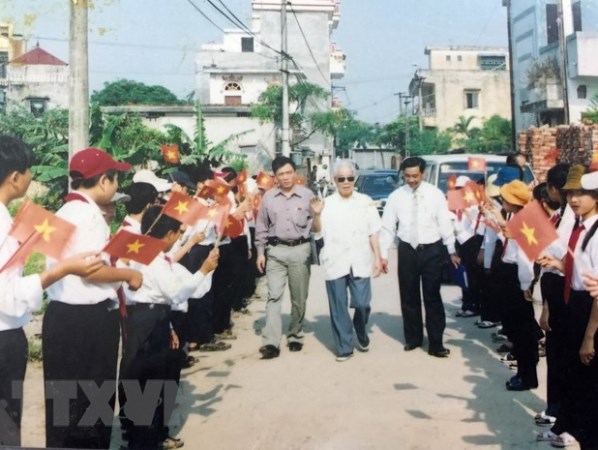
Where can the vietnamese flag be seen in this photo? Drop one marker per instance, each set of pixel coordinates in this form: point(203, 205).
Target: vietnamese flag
point(38, 230)
point(451, 183)
point(220, 187)
point(171, 154)
point(476, 164)
point(300, 181)
point(470, 194)
point(205, 192)
point(456, 201)
point(232, 227)
point(532, 230)
point(215, 213)
point(264, 181)
point(241, 177)
point(183, 208)
point(138, 247)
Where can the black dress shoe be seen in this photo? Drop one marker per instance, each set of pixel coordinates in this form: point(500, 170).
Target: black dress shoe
point(269, 351)
point(441, 353)
point(517, 385)
point(410, 347)
point(295, 346)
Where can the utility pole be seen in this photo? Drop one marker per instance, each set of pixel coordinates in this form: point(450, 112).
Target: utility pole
point(78, 77)
point(400, 96)
point(563, 60)
point(511, 77)
point(420, 111)
point(285, 146)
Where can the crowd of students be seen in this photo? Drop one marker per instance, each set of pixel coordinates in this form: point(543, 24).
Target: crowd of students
point(502, 280)
point(158, 313)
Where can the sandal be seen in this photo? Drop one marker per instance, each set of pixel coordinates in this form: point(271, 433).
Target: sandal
point(546, 436)
point(543, 419)
point(171, 443)
point(214, 346)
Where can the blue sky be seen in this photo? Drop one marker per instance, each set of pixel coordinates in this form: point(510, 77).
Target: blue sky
point(154, 41)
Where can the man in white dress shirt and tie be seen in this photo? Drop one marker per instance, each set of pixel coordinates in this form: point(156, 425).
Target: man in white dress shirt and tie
point(424, 229)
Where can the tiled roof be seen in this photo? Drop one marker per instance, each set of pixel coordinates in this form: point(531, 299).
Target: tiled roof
point(38, 56)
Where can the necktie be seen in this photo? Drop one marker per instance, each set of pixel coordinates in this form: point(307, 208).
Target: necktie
point(569, 259)
point(413, 235)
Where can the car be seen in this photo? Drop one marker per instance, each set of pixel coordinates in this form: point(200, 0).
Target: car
point(440, 167)
point(377, 184)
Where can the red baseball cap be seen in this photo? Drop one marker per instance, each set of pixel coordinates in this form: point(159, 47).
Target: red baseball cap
point(94, 161)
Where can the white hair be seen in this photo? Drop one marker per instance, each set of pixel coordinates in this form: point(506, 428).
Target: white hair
point(342, 164)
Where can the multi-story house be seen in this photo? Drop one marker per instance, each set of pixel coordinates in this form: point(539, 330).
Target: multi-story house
point(555, 64)
point(462, 81)
point(11, 46)
point(232, 74)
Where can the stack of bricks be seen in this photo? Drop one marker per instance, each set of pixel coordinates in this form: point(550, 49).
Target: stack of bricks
point(573, 144)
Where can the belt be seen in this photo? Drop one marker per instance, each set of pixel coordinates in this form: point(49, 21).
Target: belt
point(292, 243)
point(156, 306)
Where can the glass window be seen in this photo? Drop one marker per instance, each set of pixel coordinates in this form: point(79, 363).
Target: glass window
point(38, 106)
point(247, 44)
point(471, 99)
point(576, 9)
point(448, 57)
point(552, 28)
point(3, 63)
point(582, 91)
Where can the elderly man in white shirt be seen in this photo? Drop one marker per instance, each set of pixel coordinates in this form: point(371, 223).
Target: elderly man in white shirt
point(349, 223)
point(424, 225)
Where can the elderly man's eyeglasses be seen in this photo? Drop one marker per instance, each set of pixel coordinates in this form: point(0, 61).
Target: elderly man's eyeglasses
point(343, 179)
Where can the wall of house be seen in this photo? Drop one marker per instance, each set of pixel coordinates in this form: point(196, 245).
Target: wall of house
point(37, 81)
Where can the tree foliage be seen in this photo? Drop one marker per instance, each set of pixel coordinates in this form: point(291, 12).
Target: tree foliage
point(495, 136)
point(591, 113)
point(129, 92)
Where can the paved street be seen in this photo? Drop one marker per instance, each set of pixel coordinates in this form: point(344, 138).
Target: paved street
point(383, 399)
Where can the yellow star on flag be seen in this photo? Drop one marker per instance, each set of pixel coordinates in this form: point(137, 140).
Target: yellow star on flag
point(171, 154)
point(220, 189)
point(469, 197)
point(134, 247)
point(529, 234)
point(181, 207)
point(475, 164)
point(45, 230)
point(212, 213)
point(265, 180)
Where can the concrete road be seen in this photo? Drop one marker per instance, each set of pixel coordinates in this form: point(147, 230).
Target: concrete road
point(383, 399)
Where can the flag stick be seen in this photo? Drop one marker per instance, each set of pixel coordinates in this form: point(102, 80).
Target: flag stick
point(12, 258)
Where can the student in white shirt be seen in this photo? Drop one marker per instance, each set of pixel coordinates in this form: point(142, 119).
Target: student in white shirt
point(166, 284)
point(425, 231)
point(20, 295)
point(80, 333)
point(349, 223)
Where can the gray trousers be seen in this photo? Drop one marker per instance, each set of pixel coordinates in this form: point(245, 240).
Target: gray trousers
point(292, 264)
point(361, 297)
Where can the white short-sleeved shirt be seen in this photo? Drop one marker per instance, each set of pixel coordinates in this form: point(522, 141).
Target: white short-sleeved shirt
point(91, 235)
point(19, 296)
point(347, 225)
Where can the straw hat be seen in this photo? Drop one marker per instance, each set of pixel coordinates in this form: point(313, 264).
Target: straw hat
point(574, 177)
point(516, 193)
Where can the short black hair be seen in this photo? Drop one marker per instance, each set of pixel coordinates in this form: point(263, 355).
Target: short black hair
point(414, 161)
point(201, 173)
point(557, 175)
point(281, 161)
point(15, 155)
point(230, 174)
point(142, 195)
point(160, 223)
point(88, 183)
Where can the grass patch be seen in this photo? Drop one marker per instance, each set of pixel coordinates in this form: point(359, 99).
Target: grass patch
point(35, 350)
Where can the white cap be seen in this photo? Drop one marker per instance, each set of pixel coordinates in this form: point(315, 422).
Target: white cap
point(589, 181)
point(120, 197)
point(147, 176)
point(461, 181)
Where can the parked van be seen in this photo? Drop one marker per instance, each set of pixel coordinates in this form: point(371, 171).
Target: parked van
point(440, 167)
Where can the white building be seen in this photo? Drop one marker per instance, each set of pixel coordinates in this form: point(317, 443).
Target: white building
point(11, 46)
point(232, 74)
point(537, 55)
point(463, 81)
point(38, 81)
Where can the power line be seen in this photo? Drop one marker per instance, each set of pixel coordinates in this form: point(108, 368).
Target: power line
point(120, 44)
point(205, 16)
point(326, 79)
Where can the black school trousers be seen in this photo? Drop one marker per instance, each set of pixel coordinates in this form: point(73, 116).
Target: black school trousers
point(13, 363)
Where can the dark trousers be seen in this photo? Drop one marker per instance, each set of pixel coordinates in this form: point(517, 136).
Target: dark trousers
point(490, 286)
point(80, 345)
point(578, 414)
point(420, 271)
point(199, 321)
point(144, 361)
point(468, 252)
point(248, 282)
point(520, 324)
point(13, 363)
point(552, 286)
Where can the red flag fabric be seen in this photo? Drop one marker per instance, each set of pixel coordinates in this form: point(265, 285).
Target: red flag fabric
point(300, 181)
point(532, 230)
point(456, 201)
point(171, 154)
point(183, 208)
point(478, 190)
point(219, 187)
point(470, 194)
point(241, 177)
point(476, 164)
point(38, 230)
point(451, 183)
point(205, 192)
point(232, 227)
point(137, 247)
point(594, 162)
point(216, 213)
point(264, 181)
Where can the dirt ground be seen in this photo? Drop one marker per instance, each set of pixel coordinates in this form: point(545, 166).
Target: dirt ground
point(383, 399)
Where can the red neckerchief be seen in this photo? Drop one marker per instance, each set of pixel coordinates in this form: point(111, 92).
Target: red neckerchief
point(75, 196)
